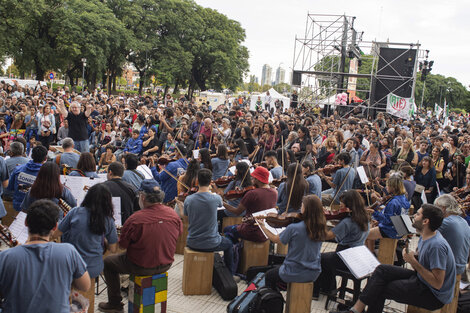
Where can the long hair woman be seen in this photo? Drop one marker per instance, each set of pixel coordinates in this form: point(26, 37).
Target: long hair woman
point(205, 158)
point(397, 205)
point(302, 263)
point(190, 177)
point(299, 189)
point(48, 186)
point(86, 166)
point(242, 150)
point(90, 228)
point(220, 163)
point(351, 232)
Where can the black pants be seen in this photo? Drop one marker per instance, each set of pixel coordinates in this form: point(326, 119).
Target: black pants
point(46, 140)
point(272, 278)
point(398, 284)
point(330, 262)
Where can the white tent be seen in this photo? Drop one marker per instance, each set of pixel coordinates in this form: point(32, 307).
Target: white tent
point(274, 96)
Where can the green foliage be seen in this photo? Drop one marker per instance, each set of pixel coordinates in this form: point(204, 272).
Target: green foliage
point(179, 41)
point(282, 87)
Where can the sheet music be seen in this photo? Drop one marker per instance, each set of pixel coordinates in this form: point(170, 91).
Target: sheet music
point(195, 154)
point(18, 229)
point(275, 231)
point(362, 174)
point(117, 211)
point(79, 185)
point(145, 170)
point(232, 170)
point(360, 261)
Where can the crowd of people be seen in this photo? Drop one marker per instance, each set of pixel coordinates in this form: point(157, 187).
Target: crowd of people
point(208, 163)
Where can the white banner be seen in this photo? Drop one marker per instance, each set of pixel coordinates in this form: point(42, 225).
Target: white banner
point(399, 107)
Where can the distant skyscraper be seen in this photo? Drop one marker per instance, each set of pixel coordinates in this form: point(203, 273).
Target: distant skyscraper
point(280, 75)
point(266, 75)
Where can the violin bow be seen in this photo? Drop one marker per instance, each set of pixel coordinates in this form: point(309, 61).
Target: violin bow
point(210, 139)
point(175, 178)
point(282, 150)
point(248, 170)
point(292, 186)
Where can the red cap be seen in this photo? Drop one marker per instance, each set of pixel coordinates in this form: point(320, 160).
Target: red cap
point(261, 174)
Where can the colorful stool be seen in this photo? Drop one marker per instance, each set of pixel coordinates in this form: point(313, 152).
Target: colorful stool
point(146, 291)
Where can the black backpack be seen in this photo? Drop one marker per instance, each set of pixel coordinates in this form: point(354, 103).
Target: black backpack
point(267, 300)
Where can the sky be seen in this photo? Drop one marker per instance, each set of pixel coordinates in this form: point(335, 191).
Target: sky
point(271, 26)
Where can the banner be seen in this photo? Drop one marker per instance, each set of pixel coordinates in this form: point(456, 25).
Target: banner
point(400, 107)
point(352, 81)
point(437, 110)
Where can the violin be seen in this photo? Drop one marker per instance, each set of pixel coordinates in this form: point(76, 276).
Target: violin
point(328, 169)
point(238, 193)
point(337, 214)
point(182, 196)
point(223, 181)
point(278, 181)
point(7, 237)
point(164, 160)
point(380, 202)
point(263, 164)
point(276, 220)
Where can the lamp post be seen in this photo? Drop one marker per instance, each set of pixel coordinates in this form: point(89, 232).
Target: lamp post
point(83, 73)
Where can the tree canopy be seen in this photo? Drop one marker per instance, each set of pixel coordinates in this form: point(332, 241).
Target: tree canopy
point(178, 41)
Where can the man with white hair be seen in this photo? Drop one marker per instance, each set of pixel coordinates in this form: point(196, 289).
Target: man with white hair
point(455, 230)
point(68, 157)
point(77, 123)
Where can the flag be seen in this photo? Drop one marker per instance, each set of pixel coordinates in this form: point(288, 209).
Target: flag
point(446, 113)
point(437, 110)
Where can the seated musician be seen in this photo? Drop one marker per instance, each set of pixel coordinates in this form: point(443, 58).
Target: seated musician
point(343, 180)
point(167, 181)
point(351, 232)
point(430, 285)
point(242, 179)
point(292, 190)
point(37, 276)
point(201, 209)
point(397, 205)
point(259, 199)
point(271, 159)
point(220, 163)
point(313, 180)
point(149, 237)
point(302, 263)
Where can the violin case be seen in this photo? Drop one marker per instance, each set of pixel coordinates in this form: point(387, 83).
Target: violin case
point(222, 279)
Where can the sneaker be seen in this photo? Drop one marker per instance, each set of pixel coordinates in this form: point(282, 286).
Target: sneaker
point(110, 308)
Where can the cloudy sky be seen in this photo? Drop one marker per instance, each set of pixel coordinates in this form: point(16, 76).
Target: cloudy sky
point(440, 26)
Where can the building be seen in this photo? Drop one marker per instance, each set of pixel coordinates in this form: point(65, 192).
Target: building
point(280, 76)
point(266, 75)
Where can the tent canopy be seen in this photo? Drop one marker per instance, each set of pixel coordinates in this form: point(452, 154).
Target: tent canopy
point(274, 96)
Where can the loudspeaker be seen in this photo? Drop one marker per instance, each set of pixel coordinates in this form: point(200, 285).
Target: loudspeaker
point(394, 75)
point(296, 78)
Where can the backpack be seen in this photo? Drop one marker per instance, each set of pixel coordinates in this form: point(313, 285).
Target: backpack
point(267, 300)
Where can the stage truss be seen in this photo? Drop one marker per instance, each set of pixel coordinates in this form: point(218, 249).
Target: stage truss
point(325, 57)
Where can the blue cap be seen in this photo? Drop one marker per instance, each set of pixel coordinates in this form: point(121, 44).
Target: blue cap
point(148, 185)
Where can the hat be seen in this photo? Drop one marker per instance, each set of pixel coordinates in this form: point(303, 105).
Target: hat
point(261, 174)
point(148, 185)
point(186, 116)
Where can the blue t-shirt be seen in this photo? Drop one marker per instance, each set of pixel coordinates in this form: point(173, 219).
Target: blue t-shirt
point(133, 177)
point(235, 202)
point(70, 159)
point(38, 277)
point(89, 245)
point(348, 233)
point(87, 174)
point(282, 198)
point(167, 182)
point(314, 185)
point(66, 195)
point(302, 263)
point(201, 209)
point(456, 231)
point(339, 178)
point(219, 167)
point(399, 205)
point(435, 253)
point(276, 172)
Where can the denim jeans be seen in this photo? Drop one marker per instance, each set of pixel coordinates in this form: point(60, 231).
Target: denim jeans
point(82, 145)
point(227, 247)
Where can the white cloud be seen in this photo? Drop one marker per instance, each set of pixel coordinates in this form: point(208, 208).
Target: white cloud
point(271, 26)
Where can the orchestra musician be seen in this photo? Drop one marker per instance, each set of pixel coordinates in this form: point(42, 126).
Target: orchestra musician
point(149, 237)
point(343, 180)
point(351, 232)
point(302, 262)
point(273, 163)
point(294, 188)
point(313, 180)
point(37, 276)
point(220, 163)
point(168, 183)
point(397, 205)
point(259, 199)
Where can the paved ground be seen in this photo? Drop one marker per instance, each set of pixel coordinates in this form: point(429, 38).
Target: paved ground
point(178, 303)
